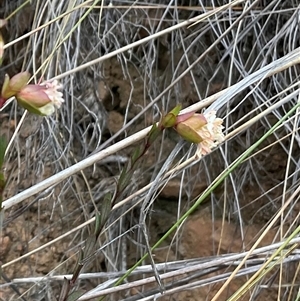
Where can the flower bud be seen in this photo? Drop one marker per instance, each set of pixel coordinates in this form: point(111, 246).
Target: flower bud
point(189, 126)
point(169, 120)
point(34, 99)
point(202, 129)
point(40, 99)
point(14, 85)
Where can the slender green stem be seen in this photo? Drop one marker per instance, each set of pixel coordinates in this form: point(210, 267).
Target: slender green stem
point(17, 10)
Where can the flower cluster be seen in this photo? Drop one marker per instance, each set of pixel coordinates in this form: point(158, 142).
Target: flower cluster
point(203, 129)
point(38, 99)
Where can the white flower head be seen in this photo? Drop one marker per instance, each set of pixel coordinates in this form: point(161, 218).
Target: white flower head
point(205, 130)
point(53, 93)
point(211, 133)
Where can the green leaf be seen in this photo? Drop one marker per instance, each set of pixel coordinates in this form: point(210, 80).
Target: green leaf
point(2, 182)
point(169, 120)
point(105, 208)
point(75, 295)
point(122, 178)
point(89, 246)
point(135, 155)
point(98, 220)
point(153, 134)
point(3, 145)
point(176, 110)
point(126, 180)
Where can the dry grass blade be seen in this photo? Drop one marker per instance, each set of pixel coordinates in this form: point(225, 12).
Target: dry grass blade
point(292, 59)
point(124, 64)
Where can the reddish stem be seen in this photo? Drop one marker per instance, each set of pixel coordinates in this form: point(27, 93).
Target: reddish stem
point(2, 101)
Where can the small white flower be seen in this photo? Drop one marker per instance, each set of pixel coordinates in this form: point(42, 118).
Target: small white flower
point(205, 130)
point(53, 93)
point(211, 133)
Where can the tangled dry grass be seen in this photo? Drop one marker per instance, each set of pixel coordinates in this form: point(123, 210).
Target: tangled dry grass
point(123, 65)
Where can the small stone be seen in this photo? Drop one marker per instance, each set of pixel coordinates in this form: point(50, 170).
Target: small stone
point(115, 121)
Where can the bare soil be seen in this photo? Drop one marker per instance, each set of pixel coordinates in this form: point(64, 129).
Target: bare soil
point(203, 235)
point(213, 229)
